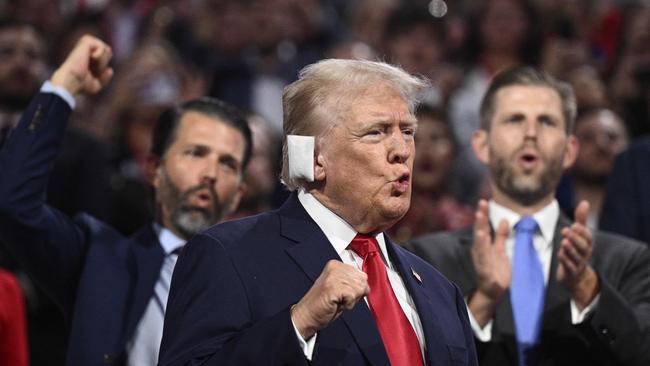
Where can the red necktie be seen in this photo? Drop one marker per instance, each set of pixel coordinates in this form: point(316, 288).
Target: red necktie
point(396, 331)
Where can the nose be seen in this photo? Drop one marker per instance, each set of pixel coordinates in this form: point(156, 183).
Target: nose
point(531, 129)
point(400, 148)
point(209, 171)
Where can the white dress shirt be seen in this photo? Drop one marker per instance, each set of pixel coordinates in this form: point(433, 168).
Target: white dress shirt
point(144, 346)
point(340, 234)
point(546, 219)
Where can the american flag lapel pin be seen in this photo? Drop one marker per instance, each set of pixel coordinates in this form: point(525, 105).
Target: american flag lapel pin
point(416, 275)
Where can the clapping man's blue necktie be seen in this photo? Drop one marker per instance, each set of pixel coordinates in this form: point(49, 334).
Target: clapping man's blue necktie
point(527, 291)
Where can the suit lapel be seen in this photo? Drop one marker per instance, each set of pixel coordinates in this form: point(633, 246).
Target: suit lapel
point(147, 258)
point(556, 295)
point(409, 272)
point(311, 252)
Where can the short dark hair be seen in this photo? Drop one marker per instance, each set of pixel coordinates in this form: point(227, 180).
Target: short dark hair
point(529, 76)
point(13, 23)
point(166, 126)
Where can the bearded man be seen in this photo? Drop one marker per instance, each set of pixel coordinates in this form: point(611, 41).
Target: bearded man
point(114, 289)
point(540, 289)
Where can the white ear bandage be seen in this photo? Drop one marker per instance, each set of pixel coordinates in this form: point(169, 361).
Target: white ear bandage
point(301, 157)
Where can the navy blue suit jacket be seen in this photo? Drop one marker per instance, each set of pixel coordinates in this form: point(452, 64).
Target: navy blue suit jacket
point(102, 280)
point(234, 284)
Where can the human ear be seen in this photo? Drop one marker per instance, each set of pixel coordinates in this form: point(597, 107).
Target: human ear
point(480, 145)
point(570, 152)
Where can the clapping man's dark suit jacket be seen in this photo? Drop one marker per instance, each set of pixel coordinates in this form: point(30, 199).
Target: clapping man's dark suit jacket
point(617, 333)
point(102, 280)
point(233, 287)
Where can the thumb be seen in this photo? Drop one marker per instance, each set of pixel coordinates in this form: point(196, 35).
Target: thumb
point(501, 235)
point(581, 212)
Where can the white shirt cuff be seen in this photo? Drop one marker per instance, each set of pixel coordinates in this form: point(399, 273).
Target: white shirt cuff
point(307, 346)
point(578, 316)
point(482, 334)
point(60, 91)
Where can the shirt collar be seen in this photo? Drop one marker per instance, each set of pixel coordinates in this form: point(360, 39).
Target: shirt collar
point(168, 240)
point(546, 218)
point(338, 231)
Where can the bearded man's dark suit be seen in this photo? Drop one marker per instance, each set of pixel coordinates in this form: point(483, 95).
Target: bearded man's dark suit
point(102, 280)
point(616, 333)
point(234, 285)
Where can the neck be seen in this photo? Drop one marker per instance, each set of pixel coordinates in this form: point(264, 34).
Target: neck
point(518, 207)
point(361, 222)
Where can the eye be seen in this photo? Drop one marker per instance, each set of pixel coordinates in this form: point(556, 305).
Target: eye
point(229, 163)
point(547, 121)
point(195, 151)
point(409, 131)
point(374, 132)
point(515, 118)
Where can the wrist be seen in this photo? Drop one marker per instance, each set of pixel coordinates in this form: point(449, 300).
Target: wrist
point(482, 307)
point(60, 79)
point(300, 322)
point(585, 288)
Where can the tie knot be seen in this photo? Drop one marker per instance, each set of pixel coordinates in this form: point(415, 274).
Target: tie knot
point(363, 245)
point(526, 224)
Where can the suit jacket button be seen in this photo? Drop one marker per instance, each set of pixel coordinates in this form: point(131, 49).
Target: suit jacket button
point(108, 359)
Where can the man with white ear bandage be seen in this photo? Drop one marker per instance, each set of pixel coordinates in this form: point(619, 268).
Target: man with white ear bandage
point(317, 281)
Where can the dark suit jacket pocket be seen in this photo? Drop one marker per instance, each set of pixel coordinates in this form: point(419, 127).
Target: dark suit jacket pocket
point(457, 355)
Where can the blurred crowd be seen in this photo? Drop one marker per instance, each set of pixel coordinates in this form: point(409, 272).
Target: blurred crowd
point(246, 51)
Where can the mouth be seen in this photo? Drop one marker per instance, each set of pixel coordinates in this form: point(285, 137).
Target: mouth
point(528, 160)
point(202, 198)
point(401, 185)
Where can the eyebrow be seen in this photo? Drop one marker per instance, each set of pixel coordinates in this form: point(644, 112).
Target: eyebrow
point(382, 119)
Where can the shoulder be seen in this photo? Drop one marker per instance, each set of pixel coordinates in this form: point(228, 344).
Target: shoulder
point(447, 243)
point(608, 244)
point(97, 230)
point(232, 232)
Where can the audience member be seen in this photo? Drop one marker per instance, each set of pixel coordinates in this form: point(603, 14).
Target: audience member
point(626, 208)
point(541, 290)
point(113, 289)
point(261, 175)
point(317, 282)
point(630, 82)
point(601, 135)
point(415, 40)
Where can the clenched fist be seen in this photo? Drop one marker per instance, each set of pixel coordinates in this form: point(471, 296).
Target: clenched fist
point(338, 288)
point(86, 68)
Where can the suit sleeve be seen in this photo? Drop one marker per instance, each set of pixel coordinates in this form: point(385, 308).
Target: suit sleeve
point(620, 326)
point(47, 243)
point(208, 319)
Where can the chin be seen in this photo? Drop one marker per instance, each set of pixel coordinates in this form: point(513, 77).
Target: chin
point(396, 212)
